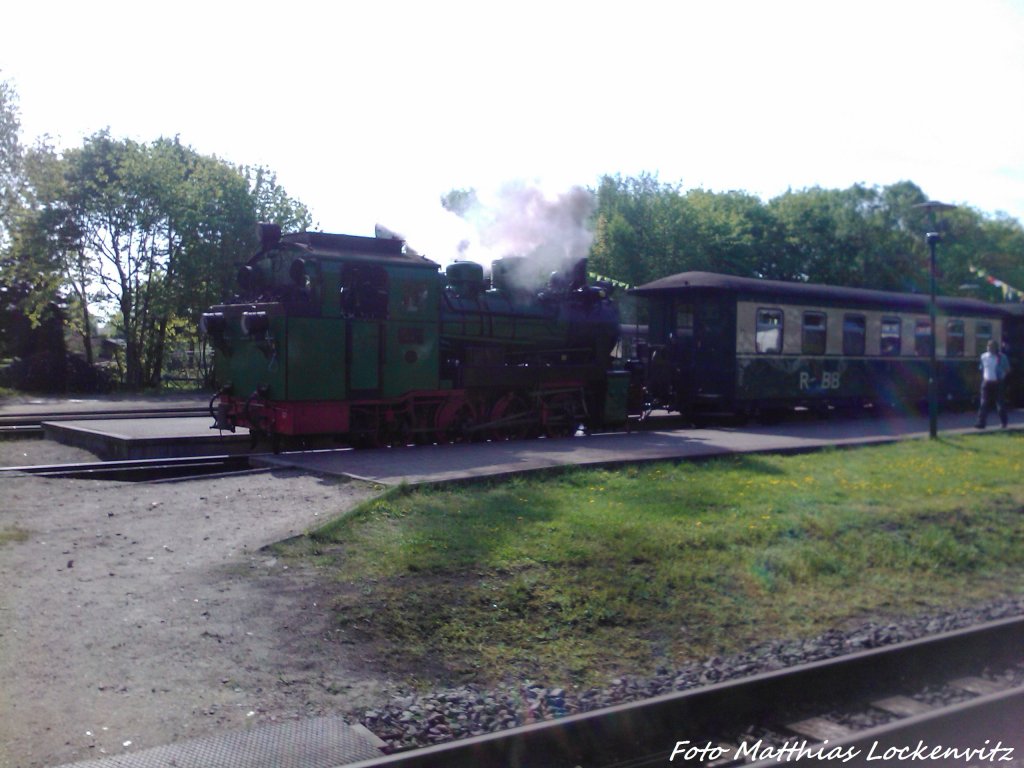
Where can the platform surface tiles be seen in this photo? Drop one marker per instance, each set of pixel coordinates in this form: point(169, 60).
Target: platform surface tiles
point(320, 742)
point(430, 464)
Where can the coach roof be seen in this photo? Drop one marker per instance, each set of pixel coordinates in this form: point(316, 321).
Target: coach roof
point(809, 293)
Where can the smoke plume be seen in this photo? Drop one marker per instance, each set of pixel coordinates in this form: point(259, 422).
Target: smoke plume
point(551, 232)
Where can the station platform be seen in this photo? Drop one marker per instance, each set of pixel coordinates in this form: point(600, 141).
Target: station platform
point(320, 742)
point(131, 438)
point(416, 465)
point(121, 439)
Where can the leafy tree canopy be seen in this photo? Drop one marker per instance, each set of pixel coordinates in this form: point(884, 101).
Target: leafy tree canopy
point(870, 237)
point(148, 233)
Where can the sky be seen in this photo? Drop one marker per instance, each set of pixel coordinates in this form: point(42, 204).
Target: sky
point(370, 111)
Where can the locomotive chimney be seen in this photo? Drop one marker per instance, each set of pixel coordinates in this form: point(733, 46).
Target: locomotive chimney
point(269, 235)
point(578, 275)
point(508, 274)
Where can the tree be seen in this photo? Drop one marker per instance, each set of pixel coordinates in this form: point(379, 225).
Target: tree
point(860, 236)
point(155, 232)
point(272, 204)
point(636, 229)
point(10, 158)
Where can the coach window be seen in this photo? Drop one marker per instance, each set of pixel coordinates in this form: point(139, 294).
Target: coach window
point(768, 340)
point(814, 333)
point(982, 336)
point(890, 340)
point(955, 338)
point(923, 337)
point(854, 332)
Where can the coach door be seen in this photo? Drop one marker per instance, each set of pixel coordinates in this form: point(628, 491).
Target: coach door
point(715, 352)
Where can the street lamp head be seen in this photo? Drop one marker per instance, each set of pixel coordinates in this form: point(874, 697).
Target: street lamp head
point(933, 206)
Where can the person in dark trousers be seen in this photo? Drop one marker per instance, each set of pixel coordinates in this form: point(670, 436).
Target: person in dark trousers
point(994, 367)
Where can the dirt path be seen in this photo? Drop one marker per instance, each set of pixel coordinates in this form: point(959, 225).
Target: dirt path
point(133, 615)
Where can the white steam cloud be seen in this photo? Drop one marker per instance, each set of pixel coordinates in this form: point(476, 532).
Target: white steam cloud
point(552, 231)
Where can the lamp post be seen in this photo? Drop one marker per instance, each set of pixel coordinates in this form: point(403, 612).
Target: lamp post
point(933, 238)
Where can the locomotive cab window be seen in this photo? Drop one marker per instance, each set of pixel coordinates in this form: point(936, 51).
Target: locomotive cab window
point(363, 292)
point(955, 338)
point(768, 339)
point(923, 337)
point(890, 342)
point(814, 333)
point(684, 320)
point(854, 333)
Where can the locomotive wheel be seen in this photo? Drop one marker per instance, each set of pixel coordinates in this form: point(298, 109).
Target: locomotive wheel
point(560, 416)
point(366, 429)
point(512, 418)
point(396, 433)
point(455, 420)
point(423, 432)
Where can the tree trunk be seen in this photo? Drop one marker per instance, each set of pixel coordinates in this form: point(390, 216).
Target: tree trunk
point(87, 334)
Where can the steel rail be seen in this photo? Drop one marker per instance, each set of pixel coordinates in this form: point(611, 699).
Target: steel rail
point(646, 732)
point(137, 469)
point(991, 728)
point(37, 418)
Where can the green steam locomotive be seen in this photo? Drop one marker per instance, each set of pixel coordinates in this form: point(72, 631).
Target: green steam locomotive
point(359, 339)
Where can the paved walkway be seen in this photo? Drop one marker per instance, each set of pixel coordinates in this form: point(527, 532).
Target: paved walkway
point(418, 465)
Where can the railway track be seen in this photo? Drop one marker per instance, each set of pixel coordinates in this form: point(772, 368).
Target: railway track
point(793, 715)
point(31, 424)
point(138, 470)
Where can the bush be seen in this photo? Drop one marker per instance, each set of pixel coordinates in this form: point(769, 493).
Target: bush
point(53, 373)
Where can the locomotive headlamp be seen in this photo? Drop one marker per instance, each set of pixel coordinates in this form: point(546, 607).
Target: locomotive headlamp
point(255, 323)
point(212, 324)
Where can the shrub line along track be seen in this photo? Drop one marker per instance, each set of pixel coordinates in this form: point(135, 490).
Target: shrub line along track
point(648, 732)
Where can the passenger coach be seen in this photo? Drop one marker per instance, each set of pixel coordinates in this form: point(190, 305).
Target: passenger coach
point(718, 343)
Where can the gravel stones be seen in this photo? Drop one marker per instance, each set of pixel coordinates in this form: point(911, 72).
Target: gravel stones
point(422, 719)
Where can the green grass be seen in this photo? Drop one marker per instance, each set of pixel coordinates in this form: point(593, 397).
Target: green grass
point(578, 576)
point(12, 534)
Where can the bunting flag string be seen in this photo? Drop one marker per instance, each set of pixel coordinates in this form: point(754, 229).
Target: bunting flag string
point(1009, 292)
point(613, 281)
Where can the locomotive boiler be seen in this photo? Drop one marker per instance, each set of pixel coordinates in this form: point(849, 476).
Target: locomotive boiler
point(360, 339)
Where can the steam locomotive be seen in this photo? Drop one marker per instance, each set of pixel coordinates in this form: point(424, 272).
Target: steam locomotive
point(360, 339)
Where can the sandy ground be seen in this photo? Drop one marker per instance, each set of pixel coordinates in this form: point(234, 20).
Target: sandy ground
point(134, 615)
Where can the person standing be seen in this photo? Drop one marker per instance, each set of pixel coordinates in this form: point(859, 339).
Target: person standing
point(994, 367)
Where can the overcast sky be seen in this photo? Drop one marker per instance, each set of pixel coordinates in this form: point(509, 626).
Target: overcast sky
point(369, 111)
